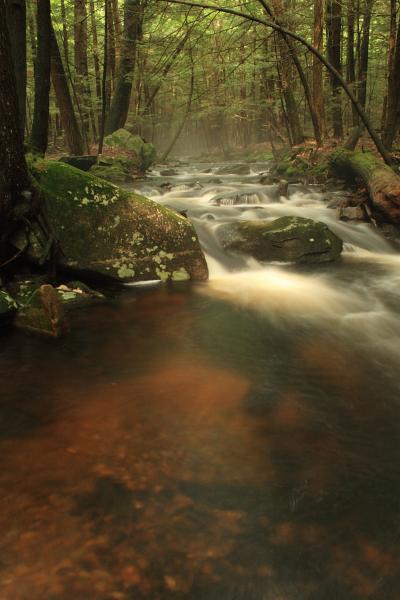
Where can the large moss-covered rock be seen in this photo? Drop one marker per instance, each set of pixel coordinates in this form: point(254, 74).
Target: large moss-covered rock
point(287, 239)
point(109, 232)
point(142, 152)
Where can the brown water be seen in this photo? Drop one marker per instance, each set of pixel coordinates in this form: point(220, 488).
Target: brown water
point(176, 446)
point(238, 439)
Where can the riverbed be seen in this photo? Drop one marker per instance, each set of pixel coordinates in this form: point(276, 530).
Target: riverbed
point(235, 439)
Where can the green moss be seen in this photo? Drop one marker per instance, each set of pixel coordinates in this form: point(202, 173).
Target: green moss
point(111, 231)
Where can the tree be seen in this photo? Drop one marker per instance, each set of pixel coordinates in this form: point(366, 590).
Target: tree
point(68, 118)
point(333, 34)
point(133, 14)
point(16, 19)
point(40, 124)
point(14, 177)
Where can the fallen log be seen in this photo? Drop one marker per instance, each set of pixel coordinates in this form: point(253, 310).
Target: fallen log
point(382, 182)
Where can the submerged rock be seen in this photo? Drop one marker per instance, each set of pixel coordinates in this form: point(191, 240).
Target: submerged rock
point(141, 152)
point(238, 169)
point(108, 232)
point(287, 239)
point(168, 173)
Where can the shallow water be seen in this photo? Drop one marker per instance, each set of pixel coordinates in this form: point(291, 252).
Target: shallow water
point(237, 439)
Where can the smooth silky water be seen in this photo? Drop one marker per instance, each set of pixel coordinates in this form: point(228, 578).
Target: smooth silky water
point(237, 439)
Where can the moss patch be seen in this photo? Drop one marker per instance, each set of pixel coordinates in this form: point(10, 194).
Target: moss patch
point(110, 232)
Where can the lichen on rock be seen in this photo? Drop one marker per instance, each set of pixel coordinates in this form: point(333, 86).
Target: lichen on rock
point(108, 232)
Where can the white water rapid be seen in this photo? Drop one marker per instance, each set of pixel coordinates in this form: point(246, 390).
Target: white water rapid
point(359, 296)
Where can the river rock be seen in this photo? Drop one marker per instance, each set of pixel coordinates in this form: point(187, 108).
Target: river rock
point(140, 151)
point(43, 313)
point(238, 169)
point(287, 239)
point(168, 173)
point(105, 231)
point(84, 163)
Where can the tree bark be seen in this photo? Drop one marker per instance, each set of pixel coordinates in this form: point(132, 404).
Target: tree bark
point(393, 98)
point(40, 125)
point(120, 103)
point(81, 66)
point(317, 74)
point(351, 61)
point(16, 18)
point(383, 184)
point(334, 33)
point(68, 118)
point(364, 54)
point(14, 177)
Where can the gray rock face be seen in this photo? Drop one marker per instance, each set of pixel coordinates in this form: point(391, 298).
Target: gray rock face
point(287, 239)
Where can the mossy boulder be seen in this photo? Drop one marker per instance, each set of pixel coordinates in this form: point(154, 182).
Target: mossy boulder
point(142, 152)
point(43, 313)
point(287, 239)
point(105, 231)
point(114, 173)
point(8, 307)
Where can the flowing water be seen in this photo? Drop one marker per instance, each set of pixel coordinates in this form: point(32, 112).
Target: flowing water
point(238, 439)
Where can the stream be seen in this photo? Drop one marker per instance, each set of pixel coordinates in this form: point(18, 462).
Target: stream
point(232, 440)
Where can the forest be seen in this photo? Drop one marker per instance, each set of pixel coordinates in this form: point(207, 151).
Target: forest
point(199, 299)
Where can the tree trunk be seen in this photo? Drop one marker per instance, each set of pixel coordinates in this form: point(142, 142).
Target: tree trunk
point(393, 98)
point(40, 125)
point(65, 32)
point(81, 63)
point(317, 75)
point(16, 18)
point(334, 31)
point(14, 177)
point(120, 103)
point(351, 61)
point(68, 118)
point(383, 184)
point(364, 54)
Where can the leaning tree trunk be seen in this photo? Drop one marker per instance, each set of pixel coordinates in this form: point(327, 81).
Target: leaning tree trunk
point(69, 121)
point(14, 178)
point(16, 18)
point(382, 182)
point(122, 95)
point(40, 125)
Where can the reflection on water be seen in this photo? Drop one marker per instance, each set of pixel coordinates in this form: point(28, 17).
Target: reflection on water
point(232, 440)
point(190, 450)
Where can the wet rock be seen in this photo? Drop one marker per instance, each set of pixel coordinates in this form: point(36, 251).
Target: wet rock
point(238, 169)
point(283, 188)
point(8, 307)
point(108, 232)
point(287, 239)
point(84, 163)
point(214, 181)
point(351, 213)
point(267, 180)
point(168, 173)
point(76, 294)
point(141, 152)
point(43, 313)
